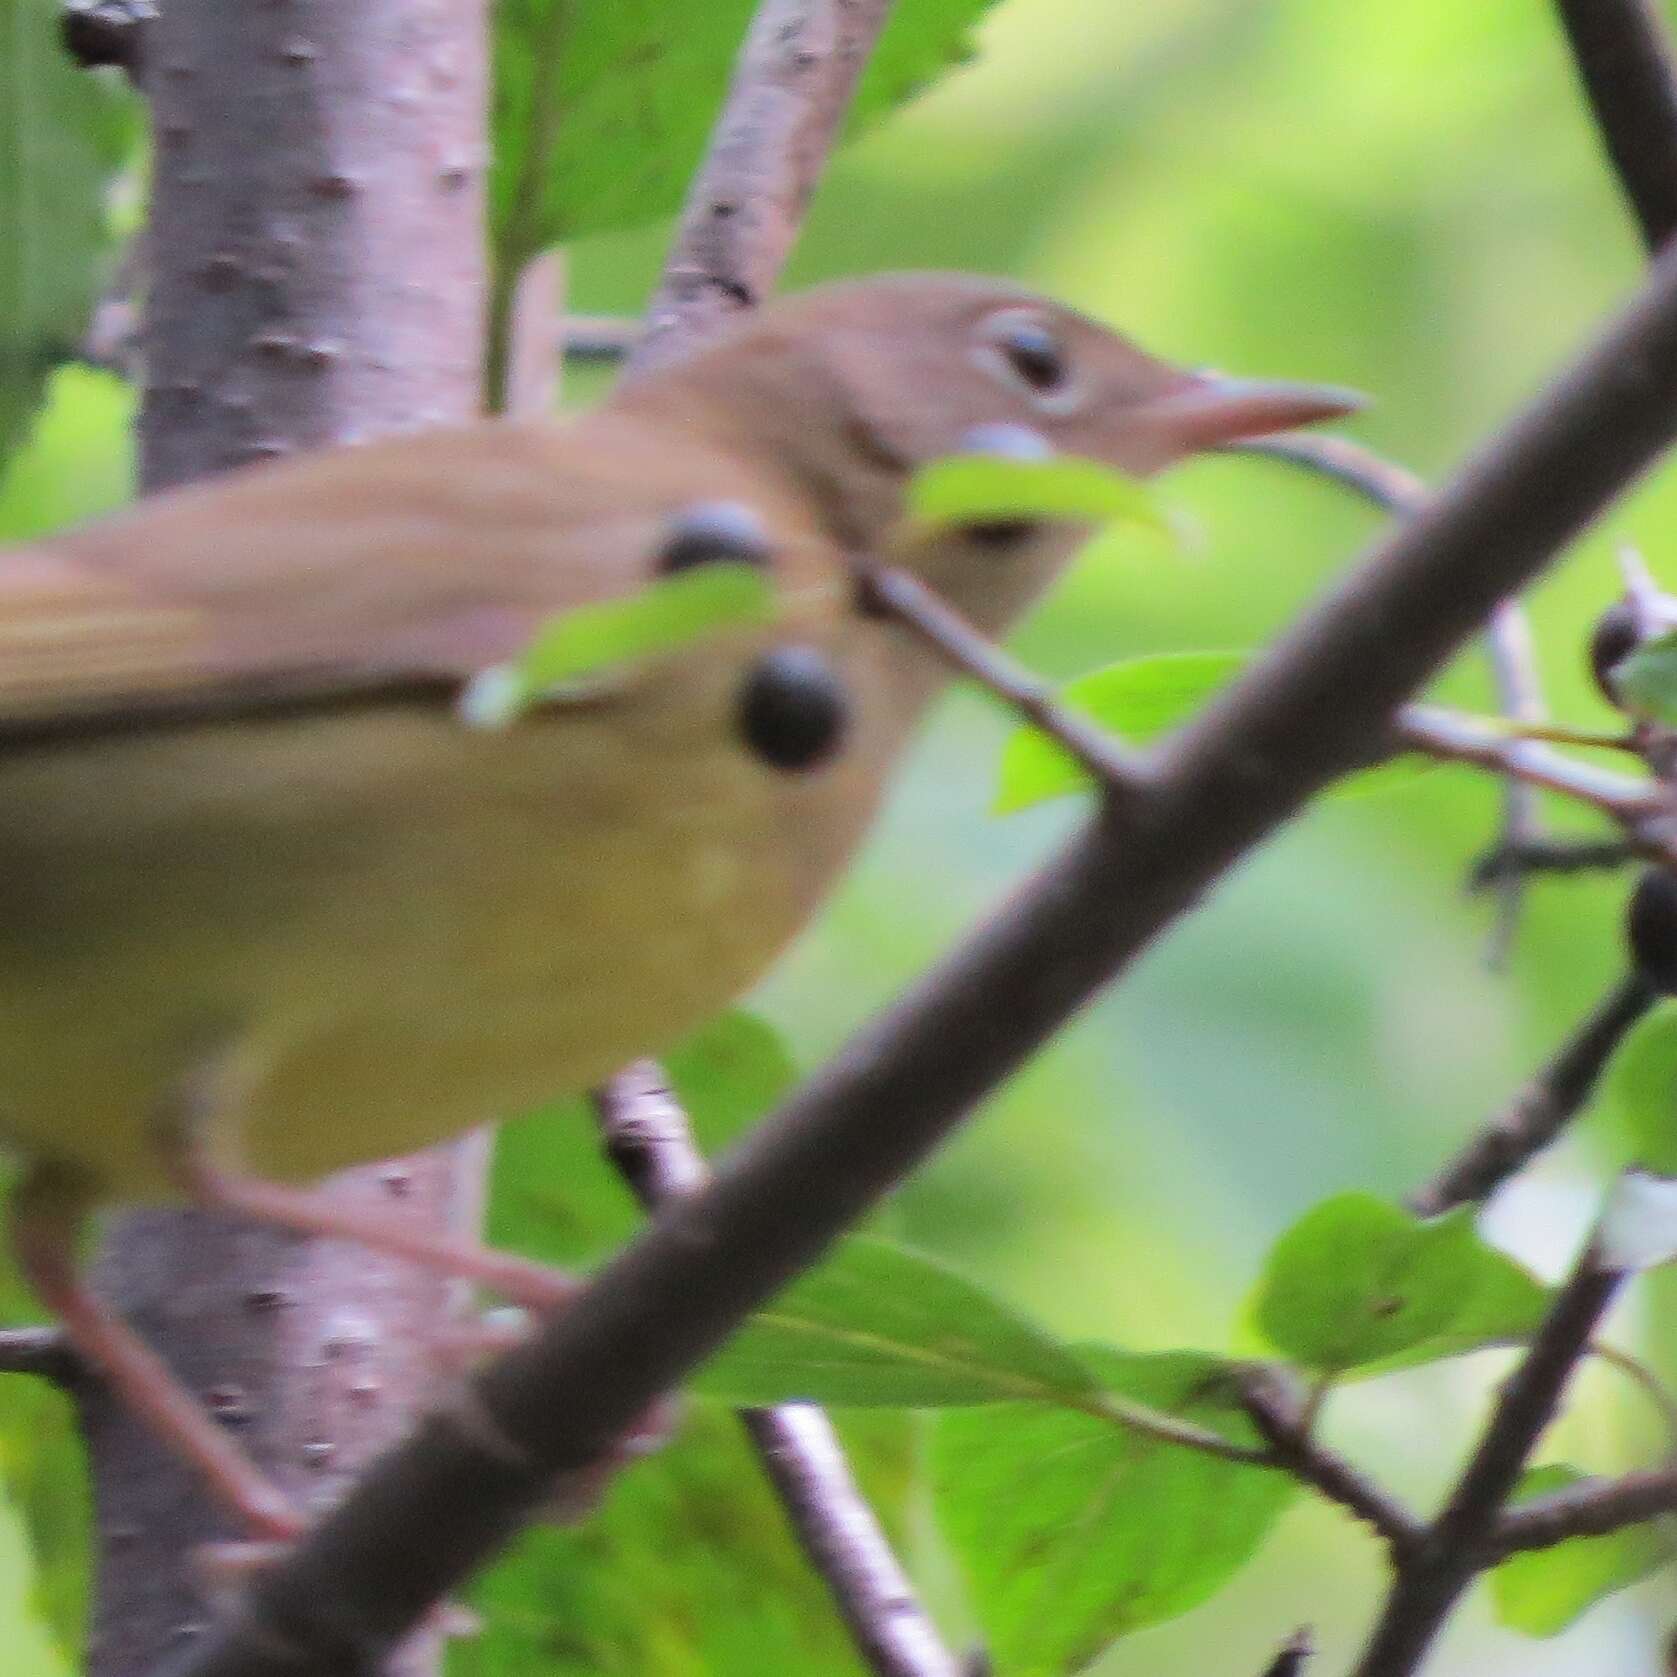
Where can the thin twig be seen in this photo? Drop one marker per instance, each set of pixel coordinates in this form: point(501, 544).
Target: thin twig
point(1462, 739)
point(790, 91)
point(647, 1136)
point(1290, 1661)
point(1551, 857)
point(1541, 1109)
point(1514, 670)
point(788, 99)
point(44, 1352)
point(1646, 1380)
point(897, 594)
point(1383, 483)
point(1623, 56)
point(1508, 642)
point(1318, 705)
point(1590, 1508)
point(1282, 1418)
point(1457, 1545)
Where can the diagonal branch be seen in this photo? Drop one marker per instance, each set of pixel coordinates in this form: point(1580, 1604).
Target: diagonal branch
point(1457, 1545)
point(1398, 491)
point(1623, 56)
point(897, 594)
point(646, 1135)
point(790, 94)
point(1541, 1108)
point(1320, 704)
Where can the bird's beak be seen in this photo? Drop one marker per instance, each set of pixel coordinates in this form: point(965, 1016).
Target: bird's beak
point(1208, 410)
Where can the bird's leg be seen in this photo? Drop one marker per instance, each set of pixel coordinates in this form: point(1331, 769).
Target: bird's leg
point(47, 1213)
point(184, 1138)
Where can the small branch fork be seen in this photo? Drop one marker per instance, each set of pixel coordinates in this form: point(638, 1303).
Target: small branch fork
point(1638, 805)
point(1283, 1420)
point(1469, 1533)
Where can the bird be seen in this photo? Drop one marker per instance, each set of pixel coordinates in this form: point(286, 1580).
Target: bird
point(270, 906)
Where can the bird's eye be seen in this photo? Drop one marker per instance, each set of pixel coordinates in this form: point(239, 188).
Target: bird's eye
point(1034, 353)
point(1024, 350)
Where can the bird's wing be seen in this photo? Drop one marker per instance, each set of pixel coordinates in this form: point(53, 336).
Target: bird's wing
point(410, 562)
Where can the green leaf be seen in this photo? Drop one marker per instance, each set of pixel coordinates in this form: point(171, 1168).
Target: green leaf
point(688, 1569)
point(30, 1648)
point(666, 615)
point(988, 488)
point(1141, 699)
point(1641, 1090)
point(1073, 1532)
point(1543, 1591)
point(1647, 679)
point(63, 135)
point(876, 1324)
point(1357, 1284)
point(602, 113)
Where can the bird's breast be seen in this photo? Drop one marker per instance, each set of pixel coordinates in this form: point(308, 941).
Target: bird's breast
point(365, 931)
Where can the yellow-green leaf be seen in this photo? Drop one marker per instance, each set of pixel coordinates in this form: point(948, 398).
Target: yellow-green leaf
point(605, 634)
point(990, 488)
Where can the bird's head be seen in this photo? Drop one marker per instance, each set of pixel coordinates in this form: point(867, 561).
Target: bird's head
point(853, 386)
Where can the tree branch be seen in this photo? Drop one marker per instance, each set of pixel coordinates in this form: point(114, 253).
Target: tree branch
point(1541, 1109)
point(1284, 1423)
point(1550, 856)
point(1294, 1654)
point(1623, 57)
point(646, 1135)
point(1320, 704)
point(1398, 491)
point(1456, 1546)
point(1591, 1508)
point(44, 1352)
point(1637, 804)
point(897, 594)
point(789, 96)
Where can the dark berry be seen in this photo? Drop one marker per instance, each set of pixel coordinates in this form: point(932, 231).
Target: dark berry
point(1613, 639)
point(793, 709)
point(1651, 926)
point(713, 532)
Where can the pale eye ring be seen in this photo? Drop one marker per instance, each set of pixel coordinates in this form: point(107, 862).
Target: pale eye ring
point(1025, 352)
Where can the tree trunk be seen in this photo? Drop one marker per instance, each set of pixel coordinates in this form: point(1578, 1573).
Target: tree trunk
point(314, 276)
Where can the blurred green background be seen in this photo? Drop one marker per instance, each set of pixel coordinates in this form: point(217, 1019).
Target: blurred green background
point(1404, 199)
